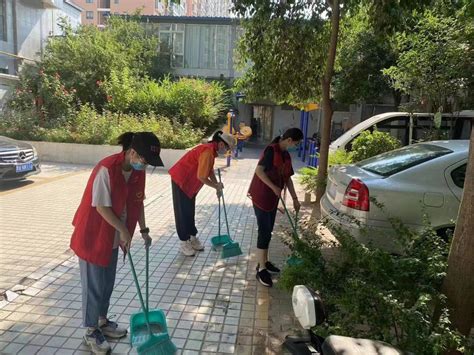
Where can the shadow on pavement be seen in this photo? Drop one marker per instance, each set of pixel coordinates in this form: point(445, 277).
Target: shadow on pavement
point(10, 185)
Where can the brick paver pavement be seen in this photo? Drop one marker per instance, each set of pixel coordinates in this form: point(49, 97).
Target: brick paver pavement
point(212, 305)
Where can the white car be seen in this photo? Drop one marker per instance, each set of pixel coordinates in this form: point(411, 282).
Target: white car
point(408, 128)
point(424, 178)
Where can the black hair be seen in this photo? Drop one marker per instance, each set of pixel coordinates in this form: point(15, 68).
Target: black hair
point(216, 137)
point(125, 140)
point(294, 133)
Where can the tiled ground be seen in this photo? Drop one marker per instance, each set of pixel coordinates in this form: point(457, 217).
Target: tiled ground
point(212, 305)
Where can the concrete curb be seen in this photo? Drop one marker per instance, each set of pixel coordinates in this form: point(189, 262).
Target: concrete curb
point(90, 154)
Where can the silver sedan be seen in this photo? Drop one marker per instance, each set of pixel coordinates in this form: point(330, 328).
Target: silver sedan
point(411, 182)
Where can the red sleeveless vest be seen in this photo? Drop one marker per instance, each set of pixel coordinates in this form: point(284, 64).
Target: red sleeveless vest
point(93, 238)
point(262, 196)
point(184, 172)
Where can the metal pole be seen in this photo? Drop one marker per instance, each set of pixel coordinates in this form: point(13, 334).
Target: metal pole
point(305, 134)
point(300, 148)
point(312, 152)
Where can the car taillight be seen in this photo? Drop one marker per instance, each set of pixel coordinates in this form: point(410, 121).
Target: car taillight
point(357, 196)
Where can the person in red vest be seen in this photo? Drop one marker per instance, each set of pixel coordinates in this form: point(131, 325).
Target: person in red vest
point(273, 173)
point(107, 216)
point(188, 175)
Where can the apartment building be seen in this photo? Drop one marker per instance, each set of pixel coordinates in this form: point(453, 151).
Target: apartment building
point(208, 8)
point(25, 26)
point(96, 12)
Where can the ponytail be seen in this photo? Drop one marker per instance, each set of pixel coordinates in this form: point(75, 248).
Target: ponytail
point(276, 140)
point(125, 140)
point(294, 133)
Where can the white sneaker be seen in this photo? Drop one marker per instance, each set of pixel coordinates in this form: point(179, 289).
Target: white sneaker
point(196, 243)
point(187, 248)
point(111, 329)
point(96, 341)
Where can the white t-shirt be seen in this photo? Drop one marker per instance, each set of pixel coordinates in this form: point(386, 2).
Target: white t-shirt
point(101, 195)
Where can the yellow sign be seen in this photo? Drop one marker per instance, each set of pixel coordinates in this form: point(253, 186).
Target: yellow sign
point(311, 107)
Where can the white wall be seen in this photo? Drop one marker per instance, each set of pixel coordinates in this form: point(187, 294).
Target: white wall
point(284, 119)
point(91, 154)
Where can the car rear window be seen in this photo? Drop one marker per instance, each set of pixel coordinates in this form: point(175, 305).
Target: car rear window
point(398, 160)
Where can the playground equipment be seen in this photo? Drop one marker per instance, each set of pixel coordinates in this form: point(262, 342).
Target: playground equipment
point(240, 136)
point(308, 147)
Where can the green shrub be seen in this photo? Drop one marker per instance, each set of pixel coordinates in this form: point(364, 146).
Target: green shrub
point(371, 293)
point(309, 176)
point(370, 144)
point(90, 127)
point(190, 101)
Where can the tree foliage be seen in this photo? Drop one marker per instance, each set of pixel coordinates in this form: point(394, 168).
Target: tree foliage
point(435, 64)
point(283, 77)
point(362, 55)
point(372, 293)
point(89, 55)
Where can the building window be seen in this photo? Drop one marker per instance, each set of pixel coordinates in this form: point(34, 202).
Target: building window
point(172, 43)
point(207, 47)
point(3, 20)
point(89, 1)
point(89, 15)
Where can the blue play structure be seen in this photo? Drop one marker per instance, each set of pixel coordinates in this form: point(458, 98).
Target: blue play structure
point(307, 149)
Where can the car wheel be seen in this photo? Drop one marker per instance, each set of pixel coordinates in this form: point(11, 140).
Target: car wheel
point(446, 233)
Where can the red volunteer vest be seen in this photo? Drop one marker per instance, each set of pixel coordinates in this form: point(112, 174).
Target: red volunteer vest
point(262, 196)
point(184, 172)
point(93, 238)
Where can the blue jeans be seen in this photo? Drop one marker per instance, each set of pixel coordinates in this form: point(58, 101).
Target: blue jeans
point(97, 285)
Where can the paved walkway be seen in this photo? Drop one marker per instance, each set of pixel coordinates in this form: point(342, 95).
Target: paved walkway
point(212, 305)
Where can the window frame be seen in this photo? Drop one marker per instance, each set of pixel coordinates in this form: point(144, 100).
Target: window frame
point(4, 34)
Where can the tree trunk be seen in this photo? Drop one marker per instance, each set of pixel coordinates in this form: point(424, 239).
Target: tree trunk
point(326, 100)
point(459, 282)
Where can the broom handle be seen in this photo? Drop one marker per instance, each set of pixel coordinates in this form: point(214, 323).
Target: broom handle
point(223, 204)
point(289, 217)
point(147, 258)
point(219, 198)
point(139, 292)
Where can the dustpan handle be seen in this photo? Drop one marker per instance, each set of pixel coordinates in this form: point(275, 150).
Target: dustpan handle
point(223, 204)
point(139, 292)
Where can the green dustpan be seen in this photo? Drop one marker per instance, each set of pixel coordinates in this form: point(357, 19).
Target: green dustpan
point(293, 260)
point(220, 239)
point(231, 248)
point(148, 330)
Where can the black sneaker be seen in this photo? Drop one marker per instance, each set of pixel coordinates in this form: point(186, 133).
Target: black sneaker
point(272, 268)
point(264, 277)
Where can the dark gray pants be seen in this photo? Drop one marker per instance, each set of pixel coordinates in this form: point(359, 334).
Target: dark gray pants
point(97, 285)
point(265, 223)
point(184, 210)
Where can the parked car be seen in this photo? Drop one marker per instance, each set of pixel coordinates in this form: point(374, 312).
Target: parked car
point(18, 160)
point(424, 178)
point(409, 128)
